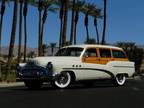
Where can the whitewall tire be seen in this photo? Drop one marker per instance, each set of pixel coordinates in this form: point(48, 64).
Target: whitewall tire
point(63, 80)
point(120, 80)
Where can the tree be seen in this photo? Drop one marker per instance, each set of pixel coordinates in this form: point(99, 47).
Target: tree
point(72, 23)
point(76, 8)
point(86, 25)
point(104, 22)
point(90, 41)
point(48, 6)
point(44, 48)
point(96, 14)
point(52, 45)
point(20, 31)
point(134, 53)
point(1, 20)
point(1, 24)
point(61, 4)
point(12, 40)
point(88, 9)
point(40, 6)
point(25, 9)
point(65, 3)
point(31, 54)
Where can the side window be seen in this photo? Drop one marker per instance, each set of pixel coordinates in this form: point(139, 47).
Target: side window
point(90, 52)
point(105, 53)
point(118, 54)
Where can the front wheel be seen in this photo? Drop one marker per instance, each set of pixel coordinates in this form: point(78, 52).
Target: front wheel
point(63, 80)
point(119, 80)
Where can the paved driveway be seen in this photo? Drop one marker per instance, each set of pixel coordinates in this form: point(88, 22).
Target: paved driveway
point(102, 95)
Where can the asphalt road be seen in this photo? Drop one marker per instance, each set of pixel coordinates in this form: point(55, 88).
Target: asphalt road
point(102, 95)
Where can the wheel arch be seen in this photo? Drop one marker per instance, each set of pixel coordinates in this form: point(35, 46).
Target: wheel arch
point(125, 74)
point(73, 76)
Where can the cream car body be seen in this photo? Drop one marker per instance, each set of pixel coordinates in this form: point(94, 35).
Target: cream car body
point(82, 70)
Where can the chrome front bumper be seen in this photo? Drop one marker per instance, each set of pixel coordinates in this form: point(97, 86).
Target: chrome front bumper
point(34, 73)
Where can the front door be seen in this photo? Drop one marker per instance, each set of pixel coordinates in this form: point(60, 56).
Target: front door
point(90, 56)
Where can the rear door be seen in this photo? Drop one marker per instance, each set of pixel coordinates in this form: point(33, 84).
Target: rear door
point(105, 55)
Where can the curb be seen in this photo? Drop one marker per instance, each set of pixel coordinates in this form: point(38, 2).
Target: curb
point(11, 84)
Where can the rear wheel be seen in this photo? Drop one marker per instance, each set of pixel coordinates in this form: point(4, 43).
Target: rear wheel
point(33, 84)
point(119, 80)
point(63, 80)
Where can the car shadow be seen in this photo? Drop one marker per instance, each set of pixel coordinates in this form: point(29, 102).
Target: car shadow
point(75, 86)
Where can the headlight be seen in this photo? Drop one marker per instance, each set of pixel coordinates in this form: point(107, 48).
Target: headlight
point(49, 66)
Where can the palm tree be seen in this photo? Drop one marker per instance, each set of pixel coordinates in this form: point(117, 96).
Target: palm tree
point(52, 45)
point(88, 9)
point(20, 31)
point(40, 6)
point(31, 54)
point(1, 20)
point(61, 22)
point(12, 40)
point(44, 48)
point(86, 25)
point(72, 23)
point(65, 2)
point(48, 6)
point(1, 23)
point(104, 23)
point(96, 13)
point(79, 5)
point(25, 9)
point(91, 41)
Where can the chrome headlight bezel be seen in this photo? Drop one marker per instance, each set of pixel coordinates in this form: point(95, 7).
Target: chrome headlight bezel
point(49, 66)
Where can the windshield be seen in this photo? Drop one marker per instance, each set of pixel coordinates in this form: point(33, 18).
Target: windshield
point(75, 52)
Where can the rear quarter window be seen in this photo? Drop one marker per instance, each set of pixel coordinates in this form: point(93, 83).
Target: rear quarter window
point(118, 54)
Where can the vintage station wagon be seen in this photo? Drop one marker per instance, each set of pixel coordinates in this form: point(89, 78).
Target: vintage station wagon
point(77, 63)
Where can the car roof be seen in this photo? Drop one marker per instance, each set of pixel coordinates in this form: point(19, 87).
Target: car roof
point(94, 46)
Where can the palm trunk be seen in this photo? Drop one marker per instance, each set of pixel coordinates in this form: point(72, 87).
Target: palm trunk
point(104, 24)
point(75, 30)
point(65, 23)
point(12, 41)
point(87, 32)
point(43, 23)
point(25, 38)
point(40, 38)
point(72, 25)
point(61, 25)
point(86, 25)
point(97, 34)
point(96, 28)
point(42, 29)
point(1, 21)
point(61, 30)
point(39, 30)
point(20, 32)
point(25, 29)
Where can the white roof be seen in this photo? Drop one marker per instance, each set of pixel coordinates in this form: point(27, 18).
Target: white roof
point(96, 46)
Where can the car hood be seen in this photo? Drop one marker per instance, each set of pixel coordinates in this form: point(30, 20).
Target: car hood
point(55, 60)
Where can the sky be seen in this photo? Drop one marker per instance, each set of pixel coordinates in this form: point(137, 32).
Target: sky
point(125, 22)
